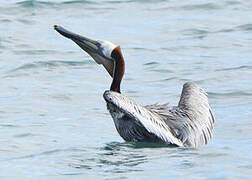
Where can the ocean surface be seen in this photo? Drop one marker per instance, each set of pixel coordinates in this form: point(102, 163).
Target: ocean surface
point(53, 120)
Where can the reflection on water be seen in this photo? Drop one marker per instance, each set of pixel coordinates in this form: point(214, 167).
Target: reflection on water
point(116, 157)
point(113, 158)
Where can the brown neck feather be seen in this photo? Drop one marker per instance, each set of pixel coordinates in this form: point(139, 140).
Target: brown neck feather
point(118, 69)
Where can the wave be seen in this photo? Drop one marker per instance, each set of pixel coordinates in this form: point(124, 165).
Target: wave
point(236, 68)
point(232, 94)
point(49, 64)
point(35, 4)
point(245, 27)
point(206, 6)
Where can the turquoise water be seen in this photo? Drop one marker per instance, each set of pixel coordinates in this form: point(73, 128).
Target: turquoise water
point(53, 119)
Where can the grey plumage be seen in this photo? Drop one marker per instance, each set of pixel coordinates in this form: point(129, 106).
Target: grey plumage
point(190, 124)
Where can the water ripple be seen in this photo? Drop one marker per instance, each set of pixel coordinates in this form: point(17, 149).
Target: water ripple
point(151, 63)
point(232, 2)
point(79, 2)
point(201, 33)
point(24, 135)
point(197, 33)
point(47, 4)
point(235, 68)
point(113, 157)
point(34, 4)
point(206, 6)
point(8, 125)
point(44, 153)
point(147, 1)
point(230, 94)
point(119, 157)
point(246, 167)
point(245, 27)
point(49, 64)
point(33, 52)
point(225, 30)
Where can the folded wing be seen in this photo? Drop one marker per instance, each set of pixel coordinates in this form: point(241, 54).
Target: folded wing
point(192, 120)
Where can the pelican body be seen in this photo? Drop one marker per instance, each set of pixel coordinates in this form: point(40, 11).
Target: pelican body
point(189, 124)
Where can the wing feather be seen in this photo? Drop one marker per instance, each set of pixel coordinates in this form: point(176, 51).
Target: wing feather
point(192, 120)
point(149, 120)
point(189, 124)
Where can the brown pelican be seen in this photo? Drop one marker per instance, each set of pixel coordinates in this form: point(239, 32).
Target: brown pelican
point(190, 124)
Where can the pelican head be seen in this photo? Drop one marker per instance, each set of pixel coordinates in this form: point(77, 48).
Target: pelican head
point(101, 51)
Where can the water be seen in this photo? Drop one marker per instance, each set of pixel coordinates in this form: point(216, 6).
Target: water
point(53, 119)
